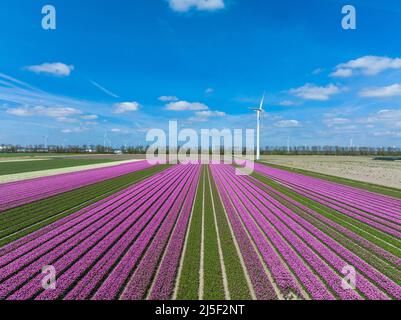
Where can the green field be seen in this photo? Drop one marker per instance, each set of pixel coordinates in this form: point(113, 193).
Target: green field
point(48, 164)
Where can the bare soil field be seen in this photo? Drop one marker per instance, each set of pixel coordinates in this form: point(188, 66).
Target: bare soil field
point(365, 169)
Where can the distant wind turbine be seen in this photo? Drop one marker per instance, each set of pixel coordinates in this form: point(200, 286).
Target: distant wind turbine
point(45, 140)
point(288, 145)
point(258, 112)
point(105, 139)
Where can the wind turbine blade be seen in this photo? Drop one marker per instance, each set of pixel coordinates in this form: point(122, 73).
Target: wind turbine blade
point(262, 102)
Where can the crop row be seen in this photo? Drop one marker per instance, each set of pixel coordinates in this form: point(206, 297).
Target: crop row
point(211, 265)
point(379, 214)
point(300, 257)
point(18, 222)
point(26, 191)
point(98, 251)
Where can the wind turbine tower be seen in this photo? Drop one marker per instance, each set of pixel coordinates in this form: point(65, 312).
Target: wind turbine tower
point(45, 140)
point(258, 113)
point(288, 145)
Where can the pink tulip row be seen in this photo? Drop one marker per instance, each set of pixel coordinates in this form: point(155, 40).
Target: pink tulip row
point(242, 226)
point(381, 202)
point(314, 258)
point(102, 241)
point(362, 242)
point(26, 191)
point(376, 210)
point(163, 285)
point(62, 230)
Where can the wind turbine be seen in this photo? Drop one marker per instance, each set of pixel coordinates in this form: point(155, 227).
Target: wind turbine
point(288, 145)
point(45, 140)
point(105, 139)
point(258, 112)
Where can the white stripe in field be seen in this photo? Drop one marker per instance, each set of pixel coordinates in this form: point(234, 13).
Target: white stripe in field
point(202, 252)
point(52, 172)
point(223, 268)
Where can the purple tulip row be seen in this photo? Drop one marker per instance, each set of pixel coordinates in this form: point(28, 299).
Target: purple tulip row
point(266, 237)
point(242, 227)
point(22, 192)
point(86, 247)
point(163, 284)
point(306, 230)
point(377, 201)
point(62, 230)
point(304, 247)
point(376, 210)
point(378, 251)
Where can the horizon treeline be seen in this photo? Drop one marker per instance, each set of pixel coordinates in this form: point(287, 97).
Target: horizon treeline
point(276, 150)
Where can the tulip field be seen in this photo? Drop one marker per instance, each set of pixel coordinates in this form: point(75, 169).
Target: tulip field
point(138, 231)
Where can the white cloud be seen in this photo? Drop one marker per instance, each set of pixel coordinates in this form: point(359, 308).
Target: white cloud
point(288, 124)
point(67, 120)
point(288, 103)
point(90, 117)
point(168, 98)
point(391, 118)
point(342, 73)
point(43, 111)
point(186, 106)
point(124, 107)
point(387, 133)
point(206, 115)
point(75, 130)
point(116, 130)
point(201, 5)
point(382, 92)
point(336, 121)
point(209, 90)
point(371, 65)
point(312, 92)
point(56, 69)
point(317, 71)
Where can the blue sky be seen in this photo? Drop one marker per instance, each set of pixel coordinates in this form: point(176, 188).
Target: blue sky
point(127, 66)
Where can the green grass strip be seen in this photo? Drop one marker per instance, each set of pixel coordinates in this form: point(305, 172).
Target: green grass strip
point(388, 191)
point(213, 284)
point(237, 284)
point(381, 239)
point(21, 221)
point(38, 165)
point(188, 287)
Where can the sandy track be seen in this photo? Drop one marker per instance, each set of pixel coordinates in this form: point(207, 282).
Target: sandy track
point(46, 173)
point(385, 173)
